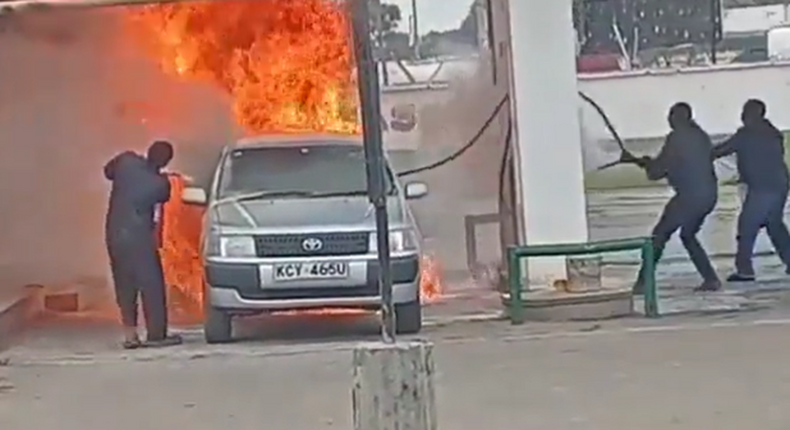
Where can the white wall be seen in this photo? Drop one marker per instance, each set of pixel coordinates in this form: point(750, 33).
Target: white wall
point(397, 105)
point(637, 102)
point(753, 19)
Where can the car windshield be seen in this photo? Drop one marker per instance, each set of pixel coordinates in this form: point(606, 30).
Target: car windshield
point(298, 170)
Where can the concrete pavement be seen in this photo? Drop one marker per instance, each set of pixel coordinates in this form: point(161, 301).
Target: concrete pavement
point(623, 213)
point(722, 373)
point(611, 213)
point(627, 213)
point(720, 370)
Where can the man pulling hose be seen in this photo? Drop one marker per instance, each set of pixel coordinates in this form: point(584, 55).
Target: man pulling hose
point(686, 162)
point(759, 148)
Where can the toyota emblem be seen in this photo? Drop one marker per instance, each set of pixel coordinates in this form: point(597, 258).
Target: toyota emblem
point(312, 244)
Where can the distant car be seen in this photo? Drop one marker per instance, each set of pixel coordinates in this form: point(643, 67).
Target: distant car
point(289, 226)
point(598, 63)
point(756, 55)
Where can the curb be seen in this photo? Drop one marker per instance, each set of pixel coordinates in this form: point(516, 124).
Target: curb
point(16, 312)
point(441, 321)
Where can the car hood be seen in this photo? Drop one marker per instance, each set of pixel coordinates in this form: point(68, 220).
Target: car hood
point(305, 214)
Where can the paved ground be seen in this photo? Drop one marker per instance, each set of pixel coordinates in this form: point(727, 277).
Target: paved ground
point(611, 214)
point(723, 373)
point(628, 213)
point(718, 362)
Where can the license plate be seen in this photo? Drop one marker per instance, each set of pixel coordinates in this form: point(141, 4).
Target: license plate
point(302, 271)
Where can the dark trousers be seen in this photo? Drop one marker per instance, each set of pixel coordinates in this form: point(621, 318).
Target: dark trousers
point(137, 271)
point(687, 215)
point(761, 209)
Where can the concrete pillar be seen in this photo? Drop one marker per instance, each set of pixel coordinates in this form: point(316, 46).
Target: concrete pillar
point(394, 386)
point(550, 173)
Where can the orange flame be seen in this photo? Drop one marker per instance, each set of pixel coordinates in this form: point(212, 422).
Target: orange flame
point(287, 65)
point(431, 286)
point(180, 253)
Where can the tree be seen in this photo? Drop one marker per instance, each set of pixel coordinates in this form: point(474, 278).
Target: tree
point(459, 41)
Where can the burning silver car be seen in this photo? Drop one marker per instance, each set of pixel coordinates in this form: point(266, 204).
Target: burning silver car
point(289, 226)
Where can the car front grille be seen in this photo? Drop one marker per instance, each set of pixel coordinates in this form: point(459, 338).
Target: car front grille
point(309, 293)
point(314, 244)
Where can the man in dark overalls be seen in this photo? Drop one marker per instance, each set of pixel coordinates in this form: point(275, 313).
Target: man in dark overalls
point(759, 148)
point(686, 162)
point(138, 188)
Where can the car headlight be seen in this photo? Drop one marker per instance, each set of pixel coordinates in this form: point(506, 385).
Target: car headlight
point(400, 241)
point(230, 246)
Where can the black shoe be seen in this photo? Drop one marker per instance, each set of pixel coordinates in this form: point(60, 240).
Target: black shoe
point(737, 277)
point(171, 340)
point(708, 287)
point(131, 344)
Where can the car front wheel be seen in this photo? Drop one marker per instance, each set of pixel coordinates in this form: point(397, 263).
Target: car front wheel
point(218, 326)
point(408, 317)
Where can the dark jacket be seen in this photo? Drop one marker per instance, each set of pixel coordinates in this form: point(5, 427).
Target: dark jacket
point(137, 188)
point(760, 151)
point(686, 162)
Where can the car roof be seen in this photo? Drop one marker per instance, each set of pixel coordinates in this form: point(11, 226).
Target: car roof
point(311, 139)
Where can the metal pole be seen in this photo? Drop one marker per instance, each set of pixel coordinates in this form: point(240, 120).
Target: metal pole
point(416, 29)
point(370, 104)
point(381, 53)
point(715, 11)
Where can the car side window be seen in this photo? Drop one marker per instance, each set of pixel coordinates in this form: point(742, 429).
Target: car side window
point(219, 174)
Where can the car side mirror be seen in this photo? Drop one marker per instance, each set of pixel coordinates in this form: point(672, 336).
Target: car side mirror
point(194, 196)
point(416, 190)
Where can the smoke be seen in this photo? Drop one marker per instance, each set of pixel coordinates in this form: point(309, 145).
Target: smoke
point(452, 118)
point(470, 185)
point(75, 92)
point(448, 119)
point(598, 145)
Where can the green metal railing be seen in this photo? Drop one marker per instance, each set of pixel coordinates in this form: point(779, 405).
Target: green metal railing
point(517, 253)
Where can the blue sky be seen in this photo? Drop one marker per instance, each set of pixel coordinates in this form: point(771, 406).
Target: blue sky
point(434, 15)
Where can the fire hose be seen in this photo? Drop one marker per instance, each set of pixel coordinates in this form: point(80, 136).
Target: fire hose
point(502, 173)
point(624, 153)
point(465, 147)
point(508, 145)
point(504, 206)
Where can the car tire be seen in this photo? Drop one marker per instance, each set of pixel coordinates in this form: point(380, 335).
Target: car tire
point(218, 326)
point(408, 317)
